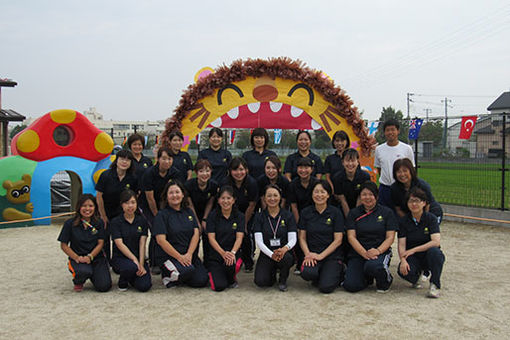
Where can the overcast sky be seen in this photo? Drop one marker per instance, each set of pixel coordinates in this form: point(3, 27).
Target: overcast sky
point(133, 59)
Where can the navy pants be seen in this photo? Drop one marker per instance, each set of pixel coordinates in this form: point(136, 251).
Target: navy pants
point(360, 272)
point(205, 249)
point(385, 196)
point(248, 248)
point(222, 276)
point(432, 259)
point(265, 271)
point(97, 271)
point(127, 270)
point(194, 275)
point(325, 274)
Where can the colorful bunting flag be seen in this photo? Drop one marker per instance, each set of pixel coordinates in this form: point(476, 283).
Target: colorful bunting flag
point(372, 128)
point(197, 138)
point(278, 136)
point(414, 128)
point(467, 127)
point(232, 136)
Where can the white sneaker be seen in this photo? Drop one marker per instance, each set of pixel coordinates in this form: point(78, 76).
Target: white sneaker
point(434, 292)
point(417, 285)
point(424, 278)
point(382, 291)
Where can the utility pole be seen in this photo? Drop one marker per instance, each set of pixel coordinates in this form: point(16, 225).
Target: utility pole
point(427, 111)
point(445, 130)
point(409, 100)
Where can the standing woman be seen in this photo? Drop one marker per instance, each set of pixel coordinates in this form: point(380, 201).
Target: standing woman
point(370, 231)
point(82, 239)
point(273, 175)
point(182, 161)
point(304, 141)
point(153, 183)
point(275, 234)
point(405, 179)
point(177, 234)
point(246, 194)
point(129, 234)
point(218, 157)
point(259, 153)
point(111, 183)
point(419, 243)
point(136, 143)
point(321, 229)
point(225, 230)
point(333, 163)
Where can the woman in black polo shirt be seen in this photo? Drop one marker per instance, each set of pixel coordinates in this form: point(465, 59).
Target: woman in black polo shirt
point(225, 230)
point(370, 231)
point(218, 157)
point(333, 163)
point(259, 153)
point(246, 194)
point(82, 239)
point(136, 143)
point(129, 234)
point(177, 234)
point(275, 234)
point(273, 175)
point(321, 228)
point(182, 161)
point(405, 179)
point(304, 141)
point(419, 243)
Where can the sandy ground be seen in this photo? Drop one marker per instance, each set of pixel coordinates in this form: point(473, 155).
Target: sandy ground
point(38, 301)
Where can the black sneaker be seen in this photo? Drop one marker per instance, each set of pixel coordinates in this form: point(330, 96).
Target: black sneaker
point(156, 270)
point(282, 287)
point(172, 284)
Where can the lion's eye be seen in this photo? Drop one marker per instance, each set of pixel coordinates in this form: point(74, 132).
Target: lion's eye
point(302, 86)
point(25, 189)
point(15, 193)
point(229, 86)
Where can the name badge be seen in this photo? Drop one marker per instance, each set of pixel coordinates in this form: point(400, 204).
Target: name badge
point(274, 242)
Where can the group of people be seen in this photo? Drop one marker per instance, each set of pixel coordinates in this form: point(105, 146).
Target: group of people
point(329, 220)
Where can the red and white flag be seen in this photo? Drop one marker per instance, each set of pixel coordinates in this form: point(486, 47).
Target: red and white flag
point(232, 136)
point(467, 127)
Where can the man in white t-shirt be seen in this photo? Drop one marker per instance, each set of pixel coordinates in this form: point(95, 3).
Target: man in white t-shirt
point(385, 155)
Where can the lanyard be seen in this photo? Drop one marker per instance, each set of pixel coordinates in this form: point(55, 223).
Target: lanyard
point(87, 224)
point(363, 216)
point(275, 230)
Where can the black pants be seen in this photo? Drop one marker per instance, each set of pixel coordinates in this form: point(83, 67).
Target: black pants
point(205, 249)
point(299, 255)
point(222, 276)
point(127, 270)
point(97, 271)
point(432, 259)
point(265, 271)
point(194, 275)
point(325, 274)
point(360, 272)
point(248, 247)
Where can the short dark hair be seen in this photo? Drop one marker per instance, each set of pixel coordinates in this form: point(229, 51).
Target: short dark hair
point(406, 163)
point(81, 200)
point(166, 150)
point(325, 184)
point(301, 132)
point(342, 135)
point(126, 196)
point(177, 133)
point(164, 194)
point(261, 132)
point(202, 163)
point(391, 122)
point(216, 130)
point(371, 186)
point(275, 160)
point(418, 193)
point(305, 161)
point(135, 137)
point(350, 153)
point(124, 154)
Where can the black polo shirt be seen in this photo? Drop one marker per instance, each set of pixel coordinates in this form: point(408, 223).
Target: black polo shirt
point(321, 228)
point(419, 233)
point(224, 230)
point(82, 240)
point(371, 229)
point(292, 160)
point(178, 226)
point(201, 197)
point(256, 161)
point(182, 164)
point(152, 181)
point(219, 161)
point(281, 181)
point(246, 193)
point(111, 188)
point(130, 233)
point(287, 225)
point(140, 166)
point(333, 164)
point(350, 189)
point(300, 195)
point(398, 196)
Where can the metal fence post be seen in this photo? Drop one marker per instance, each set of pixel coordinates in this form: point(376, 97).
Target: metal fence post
point(503, 160)
point(416, 155)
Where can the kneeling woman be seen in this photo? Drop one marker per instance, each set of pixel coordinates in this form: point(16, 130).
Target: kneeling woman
point(225, 231)
point(321, 228)
point(129, 234)
point(419, 243)
point(370, 231)
point(275, 234)
point(177, 234)
point(82, 239)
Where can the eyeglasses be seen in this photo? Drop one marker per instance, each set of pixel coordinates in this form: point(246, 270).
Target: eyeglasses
point(415, 200)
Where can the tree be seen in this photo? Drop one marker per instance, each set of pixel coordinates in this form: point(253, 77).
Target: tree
point(15, 130)
point(390, 113)
point(432, 131)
